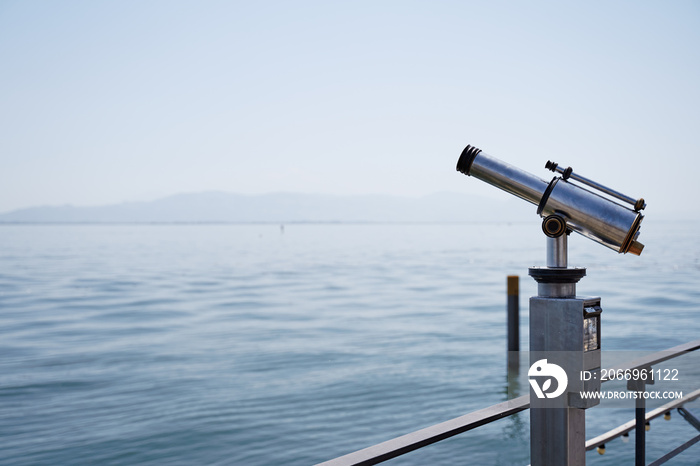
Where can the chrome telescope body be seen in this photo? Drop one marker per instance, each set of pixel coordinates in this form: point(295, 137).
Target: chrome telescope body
point(586, 212)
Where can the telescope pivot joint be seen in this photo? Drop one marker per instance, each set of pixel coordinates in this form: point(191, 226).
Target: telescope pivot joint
point(554, 226)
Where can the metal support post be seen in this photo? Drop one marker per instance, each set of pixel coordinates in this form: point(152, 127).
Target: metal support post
point(557, 316)
point(640, 430)
point(557, 251)
point(513, 282)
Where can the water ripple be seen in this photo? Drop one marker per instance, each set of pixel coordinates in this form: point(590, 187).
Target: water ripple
point(126, 344)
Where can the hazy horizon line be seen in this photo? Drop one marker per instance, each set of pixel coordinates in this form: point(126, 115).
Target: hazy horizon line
point(250, 195)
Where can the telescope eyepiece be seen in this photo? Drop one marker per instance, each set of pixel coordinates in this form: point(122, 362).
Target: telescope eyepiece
point(464, 164)
point(553, 166)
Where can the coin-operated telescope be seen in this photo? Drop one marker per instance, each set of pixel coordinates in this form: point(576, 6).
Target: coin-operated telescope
point(565, 329)
point(585, 211)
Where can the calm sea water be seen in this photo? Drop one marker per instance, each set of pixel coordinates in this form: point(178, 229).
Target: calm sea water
point(248, 345)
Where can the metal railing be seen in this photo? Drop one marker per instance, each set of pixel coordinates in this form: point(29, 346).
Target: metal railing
point(429, 435)
point(629, 426)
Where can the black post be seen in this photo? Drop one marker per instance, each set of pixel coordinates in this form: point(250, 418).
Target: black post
point(639, 421)
point(513, 282)
point(640, 432)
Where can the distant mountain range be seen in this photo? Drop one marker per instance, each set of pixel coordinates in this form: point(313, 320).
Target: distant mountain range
point(284, 208)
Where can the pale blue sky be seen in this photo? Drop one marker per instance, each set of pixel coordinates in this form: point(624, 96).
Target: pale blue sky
point(105, 102)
